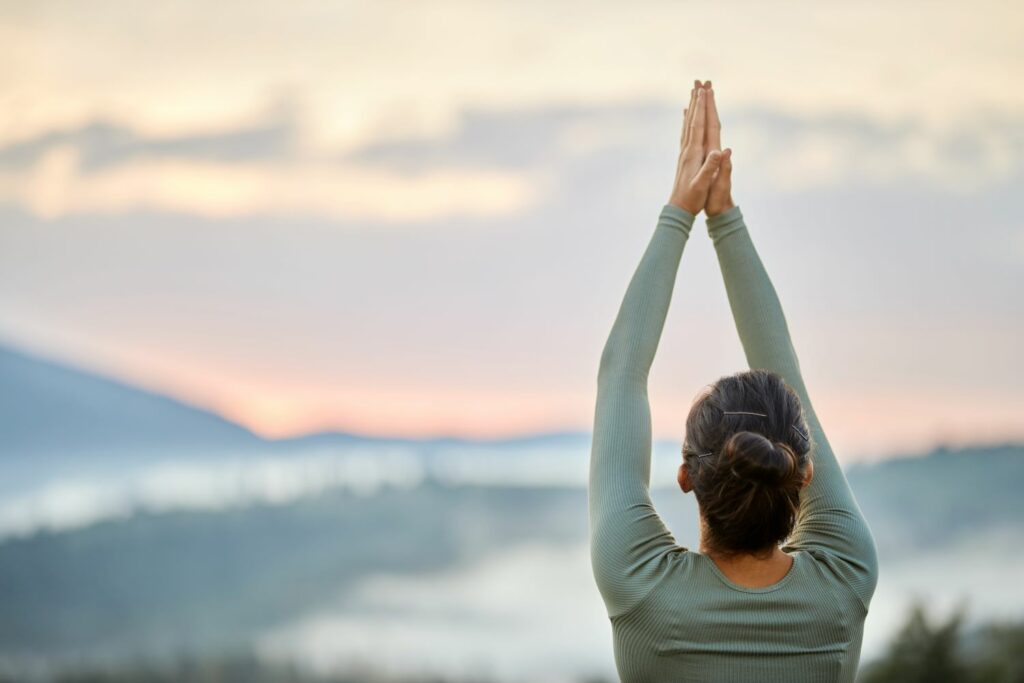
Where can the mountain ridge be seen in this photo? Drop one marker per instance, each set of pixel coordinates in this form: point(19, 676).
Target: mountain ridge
point(45, 384)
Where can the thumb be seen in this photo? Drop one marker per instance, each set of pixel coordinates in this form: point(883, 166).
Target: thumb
point(707, 172)
point(724, 168)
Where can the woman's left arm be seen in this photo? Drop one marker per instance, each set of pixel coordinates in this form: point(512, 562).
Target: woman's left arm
point(627, 538)
point(626, 534)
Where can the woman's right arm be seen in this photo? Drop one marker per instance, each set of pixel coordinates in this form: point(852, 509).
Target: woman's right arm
point(830, 519)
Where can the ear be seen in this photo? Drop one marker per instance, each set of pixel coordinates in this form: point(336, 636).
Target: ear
point(810, 472)
point(683, 478)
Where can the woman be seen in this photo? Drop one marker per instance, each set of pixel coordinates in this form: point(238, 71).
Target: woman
point(742, 608)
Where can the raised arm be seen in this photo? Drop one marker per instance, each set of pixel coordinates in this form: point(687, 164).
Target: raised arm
point(626, 534)
point(830, 519)
point(627, 537)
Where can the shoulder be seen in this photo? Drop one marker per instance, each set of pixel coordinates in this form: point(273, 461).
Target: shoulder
point(856, 578)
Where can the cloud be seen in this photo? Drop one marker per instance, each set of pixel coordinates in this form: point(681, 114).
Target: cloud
point(493, 162)
point(257, 168)
point(789, 151)
point(57, 186)
point(102, 143)
point(521, 138)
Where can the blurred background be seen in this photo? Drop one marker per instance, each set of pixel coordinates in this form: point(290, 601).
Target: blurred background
point(301, 308)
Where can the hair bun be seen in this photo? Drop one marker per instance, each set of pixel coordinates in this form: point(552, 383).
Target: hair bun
point(754, 457)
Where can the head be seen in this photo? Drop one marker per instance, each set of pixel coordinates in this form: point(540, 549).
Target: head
point(748, 487)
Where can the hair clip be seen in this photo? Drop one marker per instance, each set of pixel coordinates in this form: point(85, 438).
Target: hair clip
point(804, 435)
point(799, 431)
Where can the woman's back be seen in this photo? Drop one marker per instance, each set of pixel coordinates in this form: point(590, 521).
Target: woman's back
point(697, 625)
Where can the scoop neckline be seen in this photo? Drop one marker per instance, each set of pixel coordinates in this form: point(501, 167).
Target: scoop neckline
point(749, 589)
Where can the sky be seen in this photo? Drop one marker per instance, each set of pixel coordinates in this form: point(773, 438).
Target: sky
point(419, 218)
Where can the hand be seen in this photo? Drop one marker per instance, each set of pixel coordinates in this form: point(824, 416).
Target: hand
point(720, 195)
point(697, 165)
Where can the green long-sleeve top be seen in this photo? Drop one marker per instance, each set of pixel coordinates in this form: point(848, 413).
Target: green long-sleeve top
point(675, 616)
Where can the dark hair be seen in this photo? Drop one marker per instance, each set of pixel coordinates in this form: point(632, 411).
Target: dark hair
point(748, 488)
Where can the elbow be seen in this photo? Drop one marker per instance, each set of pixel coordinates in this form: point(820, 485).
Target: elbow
point(869, 580)
point(871, 561)
point(867, 562)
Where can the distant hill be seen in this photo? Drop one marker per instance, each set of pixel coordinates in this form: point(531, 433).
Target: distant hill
point(925, 501)
point(199, 581)
point(48, 407)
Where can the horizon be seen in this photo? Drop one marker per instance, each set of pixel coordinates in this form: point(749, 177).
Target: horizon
point(6, 346)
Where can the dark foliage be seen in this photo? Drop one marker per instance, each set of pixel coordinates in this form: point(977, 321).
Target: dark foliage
point(927, 651)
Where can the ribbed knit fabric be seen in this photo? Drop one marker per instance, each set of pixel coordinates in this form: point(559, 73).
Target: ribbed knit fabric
point(674, 615)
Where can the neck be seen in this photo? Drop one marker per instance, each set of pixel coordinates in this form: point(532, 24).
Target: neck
point(769, 555)
point(740, 559)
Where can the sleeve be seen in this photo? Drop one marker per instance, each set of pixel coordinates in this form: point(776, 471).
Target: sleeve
point(830, 521)
point(628, 540)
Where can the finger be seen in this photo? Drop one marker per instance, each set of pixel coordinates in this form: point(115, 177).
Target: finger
point(695, 140)
point(713, 138)
point(689, 110)
point(707, 171)
point(723, 177)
